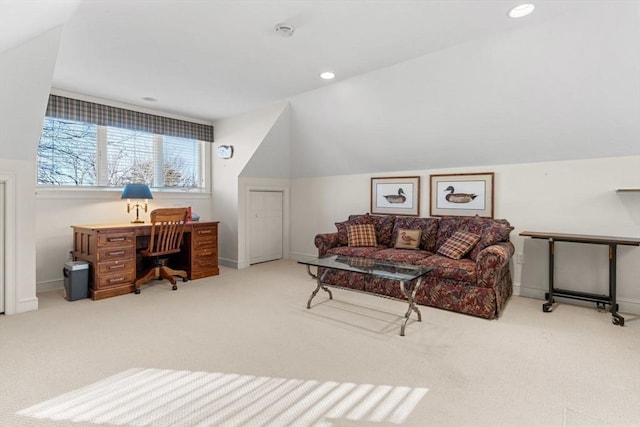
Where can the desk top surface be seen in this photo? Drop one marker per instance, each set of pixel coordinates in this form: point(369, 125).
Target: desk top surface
point(113, 226)
point(582, 238)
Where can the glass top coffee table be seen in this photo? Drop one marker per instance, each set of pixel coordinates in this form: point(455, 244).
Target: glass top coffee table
point(409, 277)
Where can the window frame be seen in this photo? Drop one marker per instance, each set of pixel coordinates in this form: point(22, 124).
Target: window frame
point(206, 161)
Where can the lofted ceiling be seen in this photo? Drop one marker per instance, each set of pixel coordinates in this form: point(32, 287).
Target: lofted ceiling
point(218, 58)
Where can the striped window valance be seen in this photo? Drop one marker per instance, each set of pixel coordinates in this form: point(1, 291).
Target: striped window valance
point(105, 115)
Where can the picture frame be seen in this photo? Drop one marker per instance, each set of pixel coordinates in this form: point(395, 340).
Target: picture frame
point(466, 194)
point(398, 195)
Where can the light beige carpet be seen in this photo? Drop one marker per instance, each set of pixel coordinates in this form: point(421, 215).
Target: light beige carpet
point(571, 367)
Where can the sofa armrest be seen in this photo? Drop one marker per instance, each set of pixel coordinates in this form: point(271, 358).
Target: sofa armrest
point(492, 262)
point(326, 241)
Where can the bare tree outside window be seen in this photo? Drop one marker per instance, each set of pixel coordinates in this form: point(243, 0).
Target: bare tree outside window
point(67, 153)
point(71, 154)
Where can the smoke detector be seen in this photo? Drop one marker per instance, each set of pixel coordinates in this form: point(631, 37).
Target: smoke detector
point(285, 30)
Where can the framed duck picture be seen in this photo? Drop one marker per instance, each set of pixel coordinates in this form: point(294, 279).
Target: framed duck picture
point(467, 194)
point(395, 195)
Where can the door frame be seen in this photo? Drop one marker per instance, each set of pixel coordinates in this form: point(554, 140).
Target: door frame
point(244, 253)
point(9, 242)
point(250, 221)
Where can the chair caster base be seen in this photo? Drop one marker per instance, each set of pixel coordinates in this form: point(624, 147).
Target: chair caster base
point(184, 279)
point(137, 291)
point(174, 288)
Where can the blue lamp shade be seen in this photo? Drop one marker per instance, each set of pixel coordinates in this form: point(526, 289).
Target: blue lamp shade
point(136, 191)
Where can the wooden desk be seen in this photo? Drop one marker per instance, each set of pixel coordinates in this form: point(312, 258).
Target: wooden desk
point(111, 251)
point(612, 242)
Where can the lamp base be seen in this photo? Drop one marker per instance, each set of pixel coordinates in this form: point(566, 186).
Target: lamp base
point(137, 221)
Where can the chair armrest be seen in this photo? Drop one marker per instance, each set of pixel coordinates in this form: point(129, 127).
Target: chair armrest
point(326, 241)
point(493, 262)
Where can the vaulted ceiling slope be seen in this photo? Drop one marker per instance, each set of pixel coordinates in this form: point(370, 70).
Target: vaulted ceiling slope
point(420, 84)
point(563, 89)
point(214, 59)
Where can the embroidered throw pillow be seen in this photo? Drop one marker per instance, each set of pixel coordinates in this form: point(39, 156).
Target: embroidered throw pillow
point(408, 239)
point(361, 235)
point(458, 244)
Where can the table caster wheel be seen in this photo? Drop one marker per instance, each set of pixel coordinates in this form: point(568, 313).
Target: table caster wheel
point(184, 279)
point(174, 288)
point(137, 291)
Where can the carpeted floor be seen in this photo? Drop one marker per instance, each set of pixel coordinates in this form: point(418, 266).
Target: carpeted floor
point(249, 329)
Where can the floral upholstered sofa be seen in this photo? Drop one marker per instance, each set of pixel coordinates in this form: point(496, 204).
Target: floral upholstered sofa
point(470, 258)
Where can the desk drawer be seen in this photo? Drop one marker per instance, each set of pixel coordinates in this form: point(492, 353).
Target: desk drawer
point(115, 279)
point(205, 257)
point(205, 242)
point(204, 231)
point(120, 266)
point(113, 254)
point(123, 238)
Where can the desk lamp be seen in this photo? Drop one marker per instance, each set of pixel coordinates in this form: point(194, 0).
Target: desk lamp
point(136, 192)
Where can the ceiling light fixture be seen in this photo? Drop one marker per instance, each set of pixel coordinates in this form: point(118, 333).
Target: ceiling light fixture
point(327, 75)
point(521, 11)
point(285, 30)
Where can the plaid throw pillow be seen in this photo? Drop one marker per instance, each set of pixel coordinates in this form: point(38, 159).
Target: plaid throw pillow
point(362, 235)
point(458, 244)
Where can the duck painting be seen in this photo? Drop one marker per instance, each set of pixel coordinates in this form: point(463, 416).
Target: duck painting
point(396, 198)
point(458, 197)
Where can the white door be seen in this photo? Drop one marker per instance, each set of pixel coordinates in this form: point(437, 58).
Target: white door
point(2, 270)
point(265, 226)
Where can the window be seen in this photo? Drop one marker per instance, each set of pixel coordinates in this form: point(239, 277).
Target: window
point(94, 152)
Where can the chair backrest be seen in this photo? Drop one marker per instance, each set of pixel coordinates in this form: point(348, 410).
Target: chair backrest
point(167, 227)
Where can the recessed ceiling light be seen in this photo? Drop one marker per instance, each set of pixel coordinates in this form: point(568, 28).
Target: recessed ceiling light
point(521, 11)
point(148, 99)
point(327, 75)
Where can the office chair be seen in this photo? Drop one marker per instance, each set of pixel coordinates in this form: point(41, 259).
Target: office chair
point(167, 227)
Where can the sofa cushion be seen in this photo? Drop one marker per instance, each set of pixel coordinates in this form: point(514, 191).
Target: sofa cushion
point(360, 251)
point(491, 231)
point(462, 270)
point(407, 239)
point(459, 244)
point(448, 226)
point(384, 228)
point(342, 227)
point(402, 256)
point(361, 235)
point(428, 226)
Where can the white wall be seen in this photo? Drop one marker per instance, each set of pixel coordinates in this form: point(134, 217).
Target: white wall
point(245, 133)
point(25, 79)
point(576, 196)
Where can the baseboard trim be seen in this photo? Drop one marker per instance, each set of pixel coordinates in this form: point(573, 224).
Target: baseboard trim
point(300, 256)
point(49, 285)
point(25, 305)
point(228, 263)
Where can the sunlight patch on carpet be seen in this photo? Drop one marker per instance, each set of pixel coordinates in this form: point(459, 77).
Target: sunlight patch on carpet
point(161, 397)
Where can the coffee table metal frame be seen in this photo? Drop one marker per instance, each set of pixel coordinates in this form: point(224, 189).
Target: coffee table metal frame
point(410, 278)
